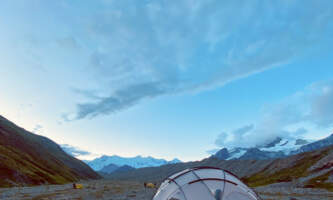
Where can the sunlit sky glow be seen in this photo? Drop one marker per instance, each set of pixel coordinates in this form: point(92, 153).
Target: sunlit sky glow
point(167, 78)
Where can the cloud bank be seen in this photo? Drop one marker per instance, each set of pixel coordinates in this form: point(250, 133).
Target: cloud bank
point(130, 51)
point(312, 107)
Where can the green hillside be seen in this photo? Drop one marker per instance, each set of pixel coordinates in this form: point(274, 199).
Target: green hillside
point(30, 159)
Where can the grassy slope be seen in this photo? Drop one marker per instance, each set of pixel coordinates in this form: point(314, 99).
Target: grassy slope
point(298, 167)
point(29, 159)
point(321, 182)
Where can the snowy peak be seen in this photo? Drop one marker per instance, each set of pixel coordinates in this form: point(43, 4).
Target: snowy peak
point(225, 154)
point(316, 145)
point(135, 162)
point(284, 145)
point(277, 148)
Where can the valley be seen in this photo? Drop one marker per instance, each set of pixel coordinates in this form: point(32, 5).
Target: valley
point(34, 167)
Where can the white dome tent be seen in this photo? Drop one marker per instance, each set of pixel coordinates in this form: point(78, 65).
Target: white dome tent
point(204, 183)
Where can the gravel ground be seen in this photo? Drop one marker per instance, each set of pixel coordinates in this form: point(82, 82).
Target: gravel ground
point(126, 190)
point(276, 192)
point(108, 190)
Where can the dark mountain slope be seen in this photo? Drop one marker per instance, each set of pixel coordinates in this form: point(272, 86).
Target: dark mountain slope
point(124, 168)
point(157, 174)
point(109, 168)
point(29, 159)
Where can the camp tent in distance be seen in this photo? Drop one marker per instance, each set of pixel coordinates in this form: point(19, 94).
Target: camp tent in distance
point(204, 183)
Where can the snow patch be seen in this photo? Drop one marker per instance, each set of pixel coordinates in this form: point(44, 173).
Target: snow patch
point(286, 146)
point(236, 155)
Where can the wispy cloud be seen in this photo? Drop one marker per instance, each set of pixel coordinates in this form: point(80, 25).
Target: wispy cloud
point(38, 129)
point(193, 45)
point(321, 107)
point(235, 138)
point(77, 152)
point(131, 51)
point(290, 118)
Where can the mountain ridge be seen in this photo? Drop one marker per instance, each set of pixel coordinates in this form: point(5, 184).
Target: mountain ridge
point(278, 148)
point(312, 169)
point(30, 159)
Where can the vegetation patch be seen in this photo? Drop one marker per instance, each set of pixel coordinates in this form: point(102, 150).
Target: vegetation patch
point(298, 170)
point(320, 182)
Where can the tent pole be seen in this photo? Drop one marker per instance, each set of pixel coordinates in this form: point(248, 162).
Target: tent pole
point(195, 174)
point(180, 188)
point(223, 183)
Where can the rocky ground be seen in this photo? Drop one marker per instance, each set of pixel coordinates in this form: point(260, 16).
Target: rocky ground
point(123, 190)
point(108, 190)
point(291, 193)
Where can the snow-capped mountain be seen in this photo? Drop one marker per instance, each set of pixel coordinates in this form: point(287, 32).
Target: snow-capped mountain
point(284, 145)
point(315, 145)
point(278, 148)
point(136, 162)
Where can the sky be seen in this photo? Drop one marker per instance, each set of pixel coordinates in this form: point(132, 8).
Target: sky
point(167, 78)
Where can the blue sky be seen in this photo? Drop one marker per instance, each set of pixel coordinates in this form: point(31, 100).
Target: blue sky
point(167, 78)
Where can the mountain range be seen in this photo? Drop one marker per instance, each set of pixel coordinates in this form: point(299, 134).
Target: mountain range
point(278, 148)
point(311, 169)
point(30, 159)
point(111, 162)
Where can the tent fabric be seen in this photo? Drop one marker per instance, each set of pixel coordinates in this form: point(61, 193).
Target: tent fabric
point(207, 183)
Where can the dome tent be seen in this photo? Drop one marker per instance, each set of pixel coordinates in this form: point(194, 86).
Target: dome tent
point(204, 183)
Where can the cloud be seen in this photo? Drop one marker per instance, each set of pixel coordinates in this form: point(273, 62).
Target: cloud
point(212, 151)
point(312, 105)
point(322, 105)
point(194, 46)
point(222, 139)
point(290, 118)
point(116, 47)
point(120, 100)
point(243, 130)
point(77, 152)
point(38, 129)
point(236, 138)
